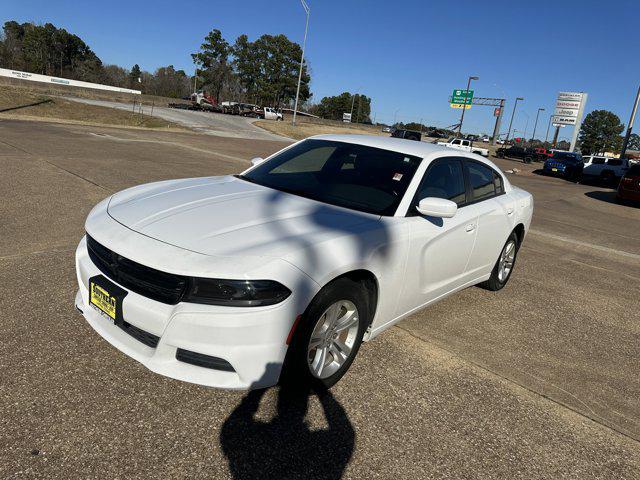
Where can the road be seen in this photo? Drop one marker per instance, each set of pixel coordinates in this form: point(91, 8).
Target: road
point(216, 124)
point(539, 380)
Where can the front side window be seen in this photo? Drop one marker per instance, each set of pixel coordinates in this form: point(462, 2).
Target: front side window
point(597, 161)
point(444, 179)
point(614, 162)
point(481, 180)
point(349, 175)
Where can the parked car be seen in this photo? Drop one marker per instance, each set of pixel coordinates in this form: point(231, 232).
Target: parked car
point(543, 152)
point(629, 186)
point(485, 139)
point(407, 134)
point(386, 129)
point(565, 164)
point(465, 146)
point(527, 155)
point(280, 273)
point(607, 169)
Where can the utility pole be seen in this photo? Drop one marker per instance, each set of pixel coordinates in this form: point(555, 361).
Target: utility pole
point(535, 125)
point(625, 143)
point(555, 137)
point(496, 128)
point(464, 107)
point(511, 121)
point(195, 79)
point(304, 45)
point(546, 137)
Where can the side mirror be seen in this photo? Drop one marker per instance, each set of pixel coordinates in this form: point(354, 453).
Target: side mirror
point(256, 161)
point(437, 207)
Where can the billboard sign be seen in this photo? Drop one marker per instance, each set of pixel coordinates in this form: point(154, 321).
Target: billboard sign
point(461, 99)
point(569, 108)
point(346, 117)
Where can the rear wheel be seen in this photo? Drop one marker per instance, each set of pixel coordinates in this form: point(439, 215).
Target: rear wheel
point(528, 159)
point(504, 266)
point(328, 336)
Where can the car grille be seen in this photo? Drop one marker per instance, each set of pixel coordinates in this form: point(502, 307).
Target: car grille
point(558, 165)
point(149, 282)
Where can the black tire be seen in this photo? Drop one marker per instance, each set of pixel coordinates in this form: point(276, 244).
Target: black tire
point(494, 283)
point(500, 155)
point(528, 159)
point(296, 370)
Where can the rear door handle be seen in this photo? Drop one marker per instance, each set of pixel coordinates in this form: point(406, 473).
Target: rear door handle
point(471, 227)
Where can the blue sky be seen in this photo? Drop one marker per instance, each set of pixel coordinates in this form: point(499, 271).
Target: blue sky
point(408, 56)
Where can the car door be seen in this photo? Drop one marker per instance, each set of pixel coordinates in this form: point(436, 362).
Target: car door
point(495, 216)
point(439, 248)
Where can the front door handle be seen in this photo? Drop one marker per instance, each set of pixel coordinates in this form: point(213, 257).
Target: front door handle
point(509, 211)
point(471, 227)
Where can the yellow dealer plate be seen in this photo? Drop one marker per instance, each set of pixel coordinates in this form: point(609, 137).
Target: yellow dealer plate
point(102, 299)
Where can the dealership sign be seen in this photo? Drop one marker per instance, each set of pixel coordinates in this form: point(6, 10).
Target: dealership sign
point(569, 107)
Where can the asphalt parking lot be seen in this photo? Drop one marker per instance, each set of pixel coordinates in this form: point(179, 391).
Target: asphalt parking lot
point(539, 380)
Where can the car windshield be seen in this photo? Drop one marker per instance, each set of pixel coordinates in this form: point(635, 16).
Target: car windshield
point(349, 175)
point(572, 157)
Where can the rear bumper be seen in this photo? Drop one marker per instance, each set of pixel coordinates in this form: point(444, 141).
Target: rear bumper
point(626, 194)
point(252, 339)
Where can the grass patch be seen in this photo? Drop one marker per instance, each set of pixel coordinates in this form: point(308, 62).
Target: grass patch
point(306, 128)
point(24, 103)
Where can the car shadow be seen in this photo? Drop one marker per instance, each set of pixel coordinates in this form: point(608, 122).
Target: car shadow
point(285, 446)
point(609, 197)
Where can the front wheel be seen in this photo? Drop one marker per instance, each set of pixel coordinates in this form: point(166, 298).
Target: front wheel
point(328, 335)
point(504, 266)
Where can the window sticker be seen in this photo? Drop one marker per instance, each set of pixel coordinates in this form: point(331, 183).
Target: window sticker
point(397, 177)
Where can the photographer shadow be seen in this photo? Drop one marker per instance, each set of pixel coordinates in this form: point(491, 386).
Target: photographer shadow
point(285, 447)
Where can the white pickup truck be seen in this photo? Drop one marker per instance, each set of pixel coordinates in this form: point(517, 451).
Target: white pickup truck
point(465, 145)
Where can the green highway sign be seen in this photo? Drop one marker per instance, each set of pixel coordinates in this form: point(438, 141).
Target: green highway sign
point(461, 97)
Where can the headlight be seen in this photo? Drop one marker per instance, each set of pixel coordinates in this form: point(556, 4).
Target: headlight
point(235, 293)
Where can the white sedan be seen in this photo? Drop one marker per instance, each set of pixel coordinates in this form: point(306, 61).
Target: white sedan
point(279, 273)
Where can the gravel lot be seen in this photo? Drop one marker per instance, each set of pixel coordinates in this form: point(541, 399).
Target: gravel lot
point(539, 380)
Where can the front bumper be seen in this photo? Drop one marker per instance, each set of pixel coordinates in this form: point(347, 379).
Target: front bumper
point(251, 339)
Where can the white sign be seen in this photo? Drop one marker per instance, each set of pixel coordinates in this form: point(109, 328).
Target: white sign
point(564, 120)
point(569, 108)
point(566, 112)
point(346, 117)
point(34, 77)
point(565, 104)
point(575, 96)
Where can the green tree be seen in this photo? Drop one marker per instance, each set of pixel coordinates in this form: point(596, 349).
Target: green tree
point(246, 66)
point(333, 107)
point(213, 62)
point(634, 142)
point(278, 63)
point(134, 75)
point(600, 132)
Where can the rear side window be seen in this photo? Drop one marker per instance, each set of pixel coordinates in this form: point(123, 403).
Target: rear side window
point(597, 161)
point(497, 182)
point(614, 162)
point(634, 169)
point(481, 180)
point(444, 179)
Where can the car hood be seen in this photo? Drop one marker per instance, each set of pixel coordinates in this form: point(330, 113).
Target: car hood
point(228, 216)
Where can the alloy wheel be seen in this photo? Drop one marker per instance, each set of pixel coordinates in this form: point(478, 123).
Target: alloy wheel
point(333, 339)
point(507, 257)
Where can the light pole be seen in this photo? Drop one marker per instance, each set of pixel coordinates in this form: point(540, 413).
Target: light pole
point(546, 137)
point(535, 125)
point(195, 79)
point(625, 143)
point(524, 136)
point(394, 116)
point(464, 107)
point(511, 121)
point(304, 44)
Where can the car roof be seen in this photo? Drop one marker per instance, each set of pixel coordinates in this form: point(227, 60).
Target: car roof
point(400, 145)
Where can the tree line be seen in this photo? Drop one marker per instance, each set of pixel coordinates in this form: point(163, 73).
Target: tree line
point(48, 50)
